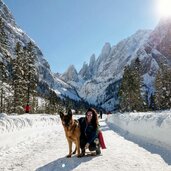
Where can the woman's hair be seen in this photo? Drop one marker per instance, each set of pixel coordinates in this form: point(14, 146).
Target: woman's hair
point(94, 120)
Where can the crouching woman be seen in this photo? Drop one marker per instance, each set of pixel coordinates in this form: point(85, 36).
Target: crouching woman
point(89, 132)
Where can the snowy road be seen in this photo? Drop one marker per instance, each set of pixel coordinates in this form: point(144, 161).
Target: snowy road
point(46, 152)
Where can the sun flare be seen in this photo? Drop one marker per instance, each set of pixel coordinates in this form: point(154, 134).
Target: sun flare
point(164, 8)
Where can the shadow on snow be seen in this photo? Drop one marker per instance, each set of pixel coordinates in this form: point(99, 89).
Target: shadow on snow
point(65, 164)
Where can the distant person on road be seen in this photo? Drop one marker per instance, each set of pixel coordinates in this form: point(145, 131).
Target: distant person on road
point(101, 113)
point(27, 108)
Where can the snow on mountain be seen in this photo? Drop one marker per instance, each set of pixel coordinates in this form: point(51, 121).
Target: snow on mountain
point(6, 14)
point(120, 55)
point(105, 73)
point(155, 52)
point(65, 90)
point(160, 39)
point(84, 72)
point(98, 82)
point(108, 70)
point(15, 34)
point(102, 57)
point(160, 32)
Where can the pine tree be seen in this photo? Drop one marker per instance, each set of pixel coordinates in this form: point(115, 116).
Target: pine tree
point(19, 84)
point(163, 88)
point(34, 105)
point(24, 77)
point(9, 98)
point(47, 106)
point(3, 79)
point(152, 102)
point(54, 102)
point(124, 91)
point(30, 71)
point(139, 100)
point(130, 89)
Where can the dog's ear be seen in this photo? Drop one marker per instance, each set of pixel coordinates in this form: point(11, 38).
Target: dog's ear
point(69, 112)
point(61, 115)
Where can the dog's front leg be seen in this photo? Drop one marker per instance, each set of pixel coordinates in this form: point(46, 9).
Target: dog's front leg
point(78, 147)
point(70, 148)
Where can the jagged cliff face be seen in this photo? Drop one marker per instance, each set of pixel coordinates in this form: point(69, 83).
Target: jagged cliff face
point(103, 74)
point(70, 74)
point(153, 48)
point(87, 71)
point(161, 38)
point(15, 34)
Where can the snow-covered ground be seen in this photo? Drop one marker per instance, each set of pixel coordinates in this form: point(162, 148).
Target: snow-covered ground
point(38, 143)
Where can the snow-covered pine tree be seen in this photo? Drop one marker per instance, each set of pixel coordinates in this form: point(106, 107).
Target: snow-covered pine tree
point(152, 105)
point(19, 84)
point(52, 102)
point(167, 88)
point(130, 89)
point(9, 97)
point(34, 104)
point(163, 88)
point(47, 106)
point(3, 80)
point(159, 90)
point(139, 101)
point(30, 72)
point(123, 91)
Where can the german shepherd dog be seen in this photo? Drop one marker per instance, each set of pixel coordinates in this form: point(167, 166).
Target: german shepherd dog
point(72, 132)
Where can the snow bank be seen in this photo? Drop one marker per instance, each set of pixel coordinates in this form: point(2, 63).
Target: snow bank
point(152, 127)
point(14, 129)
point(19, 122)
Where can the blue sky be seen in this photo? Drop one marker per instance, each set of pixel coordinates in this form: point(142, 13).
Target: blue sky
point(70, 31)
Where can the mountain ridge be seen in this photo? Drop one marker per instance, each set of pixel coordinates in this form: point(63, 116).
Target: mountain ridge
point(14, 35)
point(98, 82)
point(152, 47)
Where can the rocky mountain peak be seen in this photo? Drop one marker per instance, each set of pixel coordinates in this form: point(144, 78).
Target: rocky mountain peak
point(84, 72)
point(160, 38)
point(160, 32)
point(106, 50)
point(92, 60)
point(92, 64)
point(71, 74)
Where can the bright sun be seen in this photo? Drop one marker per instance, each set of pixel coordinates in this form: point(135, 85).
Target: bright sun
point(164, 8)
